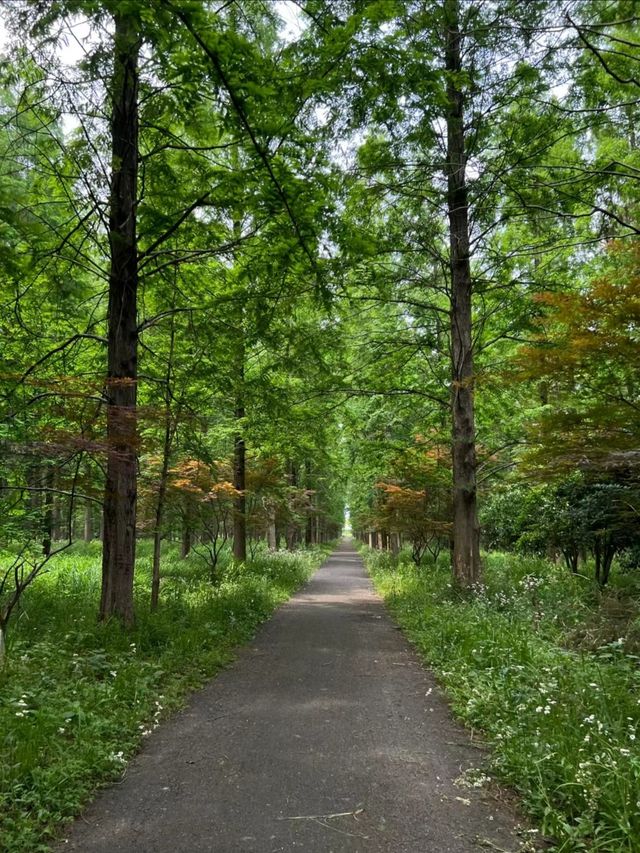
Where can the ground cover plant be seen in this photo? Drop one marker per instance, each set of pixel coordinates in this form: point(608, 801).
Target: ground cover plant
point(546, 666)
point(78, 698)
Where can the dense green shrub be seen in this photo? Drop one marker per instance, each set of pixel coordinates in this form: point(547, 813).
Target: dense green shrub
point(573, 517)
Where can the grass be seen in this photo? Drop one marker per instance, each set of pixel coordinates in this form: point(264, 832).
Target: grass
point(77, 698)
point(547, 667)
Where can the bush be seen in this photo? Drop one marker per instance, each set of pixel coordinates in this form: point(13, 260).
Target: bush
point(573, 517)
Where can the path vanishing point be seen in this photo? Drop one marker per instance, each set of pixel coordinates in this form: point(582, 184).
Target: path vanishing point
point(325, 735)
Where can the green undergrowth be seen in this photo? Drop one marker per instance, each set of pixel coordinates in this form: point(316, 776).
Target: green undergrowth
point(545, 665)
point(77, 699)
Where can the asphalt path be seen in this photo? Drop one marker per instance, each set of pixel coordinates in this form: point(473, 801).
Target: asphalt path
point(325, 735)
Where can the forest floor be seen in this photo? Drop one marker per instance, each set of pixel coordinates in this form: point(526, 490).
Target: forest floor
point(327, 734)
point(545, 664)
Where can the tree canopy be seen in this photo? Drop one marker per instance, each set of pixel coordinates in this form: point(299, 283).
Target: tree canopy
point(251, 275)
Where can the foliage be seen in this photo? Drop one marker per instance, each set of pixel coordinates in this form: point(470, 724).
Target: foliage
point(206, 498)
point(563, 723)
point(573, 516)
point(587, 350)
point(416, 504)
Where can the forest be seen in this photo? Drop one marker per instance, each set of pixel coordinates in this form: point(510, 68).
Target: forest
point(275, 269)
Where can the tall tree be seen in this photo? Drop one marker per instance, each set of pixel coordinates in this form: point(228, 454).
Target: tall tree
point(118, 558)
point(466, 529)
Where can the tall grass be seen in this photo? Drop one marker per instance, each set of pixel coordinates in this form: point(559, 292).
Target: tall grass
point(77, 698)
point(545, 665)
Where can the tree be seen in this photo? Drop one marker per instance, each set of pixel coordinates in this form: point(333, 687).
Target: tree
point(153, 147)
point(466, 529)
point(421, 516)
point(118, 558)
point(439, 99)
point(586, 350)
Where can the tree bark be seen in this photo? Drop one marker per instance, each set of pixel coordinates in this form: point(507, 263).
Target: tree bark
point(185, 547)
point(239, 447)
point(47, 519)
point(239, 482)
point(164, 472)
point(395, 544)
point(88, 522)
point(272, 539)
point(292, 530)
point(121, 386)
point(466, 529)
point(56, 525)
point(157, 531)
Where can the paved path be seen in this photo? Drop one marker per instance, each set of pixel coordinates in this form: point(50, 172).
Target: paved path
point(328, 711)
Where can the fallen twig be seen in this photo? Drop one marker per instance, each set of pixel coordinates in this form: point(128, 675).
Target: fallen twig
point(354, 813)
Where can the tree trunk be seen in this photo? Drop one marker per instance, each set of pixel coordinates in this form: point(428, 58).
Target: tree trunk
point(292, 537)
point(598, 559)
point(157, 530)
point(466, 530)
point(164, 472)
point(239, 482)
point(272, 539)
point(186, 539)
point(571, 559)
point(121, 386)
point(609, 554)
point(88, 522)
point(56, 526)
point(47, 518)
point(291, 531)
point(35, 480)
point(239, 447)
